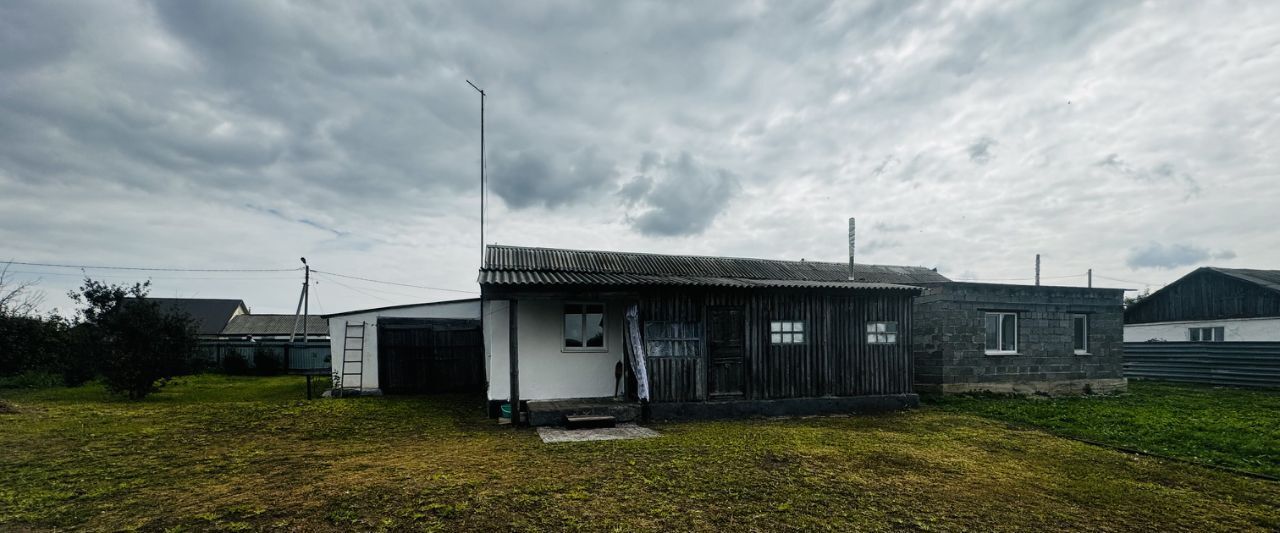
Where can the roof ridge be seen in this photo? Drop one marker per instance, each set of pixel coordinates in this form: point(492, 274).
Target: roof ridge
point(696, 256)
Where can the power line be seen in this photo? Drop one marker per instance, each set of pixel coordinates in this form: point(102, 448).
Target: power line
point(108, 276)
point(394, 283)
point(350, 288)
point(1025, 279)
point(154, 269)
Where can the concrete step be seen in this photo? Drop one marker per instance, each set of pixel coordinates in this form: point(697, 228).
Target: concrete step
point(589, 421)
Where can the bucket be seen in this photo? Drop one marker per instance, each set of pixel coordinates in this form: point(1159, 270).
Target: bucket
point(506, 410)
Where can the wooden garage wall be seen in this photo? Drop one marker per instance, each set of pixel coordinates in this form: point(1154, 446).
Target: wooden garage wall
point(837, 361)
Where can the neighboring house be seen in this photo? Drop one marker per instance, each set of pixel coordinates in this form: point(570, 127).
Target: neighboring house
point(210, 315)
point(416, 348)
point(1210, 304)
point(275, 328)
point(717, 336)
point(972, 337)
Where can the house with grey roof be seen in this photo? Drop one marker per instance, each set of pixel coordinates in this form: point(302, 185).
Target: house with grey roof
point(1209, 305)
point(580, 333)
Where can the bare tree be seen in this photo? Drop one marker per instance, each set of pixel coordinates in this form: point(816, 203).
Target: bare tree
point(18, 298)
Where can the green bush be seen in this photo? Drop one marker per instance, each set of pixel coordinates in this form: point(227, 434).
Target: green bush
point(235, 364)
point(30, 380)
point(266, 362)
point(139, 345)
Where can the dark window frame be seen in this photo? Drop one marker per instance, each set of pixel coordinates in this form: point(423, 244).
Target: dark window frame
point(887, 336)
point(784, 332)
point(585, 307)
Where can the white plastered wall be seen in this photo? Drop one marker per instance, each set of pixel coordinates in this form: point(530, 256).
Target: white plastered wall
point(369, 355)
point(1235, 330)
point(547, 371)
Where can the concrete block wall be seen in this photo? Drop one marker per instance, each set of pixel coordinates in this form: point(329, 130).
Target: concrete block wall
point(949, 331)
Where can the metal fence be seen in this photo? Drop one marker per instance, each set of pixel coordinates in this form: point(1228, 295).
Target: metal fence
point(312, 356)
point(1242, 364)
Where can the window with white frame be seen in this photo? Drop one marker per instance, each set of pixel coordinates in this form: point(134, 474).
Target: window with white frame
point(584, 327)
point(1206, 334)
point(882, 332)
point(786, 332)
point(1002, 333)
point(1080, 333)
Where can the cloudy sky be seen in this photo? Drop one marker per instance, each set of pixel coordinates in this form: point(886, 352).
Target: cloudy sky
point(1137, 139)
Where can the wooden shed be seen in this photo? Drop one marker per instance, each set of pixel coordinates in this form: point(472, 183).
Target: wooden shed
point(696, 336)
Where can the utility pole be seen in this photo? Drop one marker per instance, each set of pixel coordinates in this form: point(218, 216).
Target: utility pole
point(482, 170)
point(1037, 270)
point(304, 305)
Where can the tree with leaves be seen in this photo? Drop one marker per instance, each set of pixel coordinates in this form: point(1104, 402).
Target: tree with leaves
point(139, 346)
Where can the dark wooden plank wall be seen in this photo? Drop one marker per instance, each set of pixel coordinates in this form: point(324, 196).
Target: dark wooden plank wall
point(1205, 295)
point(835, 361)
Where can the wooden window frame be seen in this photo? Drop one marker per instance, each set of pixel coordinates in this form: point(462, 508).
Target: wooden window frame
point(1196, 334)
point(882, 334)
point(782, 336)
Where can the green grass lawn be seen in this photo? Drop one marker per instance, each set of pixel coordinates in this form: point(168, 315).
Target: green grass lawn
point(1236, 428)
point(221, 453)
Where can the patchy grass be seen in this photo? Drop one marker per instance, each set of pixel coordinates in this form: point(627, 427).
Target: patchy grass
point(223, 453)
point(1236, 428)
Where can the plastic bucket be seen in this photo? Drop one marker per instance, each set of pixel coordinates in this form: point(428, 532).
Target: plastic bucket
point(505, 410)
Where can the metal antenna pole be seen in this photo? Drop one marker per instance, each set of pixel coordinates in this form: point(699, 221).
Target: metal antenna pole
point(482, 170)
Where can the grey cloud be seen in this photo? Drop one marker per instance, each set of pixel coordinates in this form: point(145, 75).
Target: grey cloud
point(1161, 173)
point(527, 178)
point(1157, 255)
point(682, 197)
point(890, 227)
point(980, 150)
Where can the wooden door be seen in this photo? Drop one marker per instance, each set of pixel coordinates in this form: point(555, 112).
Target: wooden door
point(726, 373)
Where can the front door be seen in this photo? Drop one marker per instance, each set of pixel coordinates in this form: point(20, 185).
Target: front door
point(726, 375)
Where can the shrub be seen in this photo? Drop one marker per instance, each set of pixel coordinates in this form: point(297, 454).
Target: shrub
point(266, 362)
point(30, 380)
point(235, 364)
point(140, 346)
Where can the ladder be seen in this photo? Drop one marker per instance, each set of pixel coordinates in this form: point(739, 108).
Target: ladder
point(352, 354)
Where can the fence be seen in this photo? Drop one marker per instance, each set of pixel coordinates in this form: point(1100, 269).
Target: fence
point(297, 357)
point(1242, 364)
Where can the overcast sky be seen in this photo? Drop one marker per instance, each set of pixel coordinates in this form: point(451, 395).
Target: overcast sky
point(1140, 140)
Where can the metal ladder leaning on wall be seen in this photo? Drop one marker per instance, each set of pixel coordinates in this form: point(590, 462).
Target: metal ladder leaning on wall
point(352, 356)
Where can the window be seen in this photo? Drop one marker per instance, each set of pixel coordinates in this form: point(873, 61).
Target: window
point(672, 339)
point(882, 332)
point(1002, 333)
point(1080, 333)
point(1206, 334)
point(786, 332)
point(584, 327)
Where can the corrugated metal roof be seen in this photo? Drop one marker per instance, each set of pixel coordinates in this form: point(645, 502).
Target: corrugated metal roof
point(1269, 279)
point(273, 325)
point(210, 315)
point(515, 265)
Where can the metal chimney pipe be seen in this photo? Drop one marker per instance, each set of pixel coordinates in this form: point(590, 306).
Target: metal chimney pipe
point(851, 235)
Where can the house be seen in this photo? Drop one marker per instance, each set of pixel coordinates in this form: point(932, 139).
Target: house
point(210, 315)
point(274, 327)
point(1210, 304)
point(695, 336)
point(416, 348)
point(970, 337)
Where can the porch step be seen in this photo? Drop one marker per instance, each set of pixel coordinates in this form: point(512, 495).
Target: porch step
point(555, 412)
point(589, 421)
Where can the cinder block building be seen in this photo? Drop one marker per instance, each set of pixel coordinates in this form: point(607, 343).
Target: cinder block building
point(970, 337)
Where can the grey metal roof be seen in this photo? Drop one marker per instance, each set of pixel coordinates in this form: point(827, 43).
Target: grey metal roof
point(401, 306)
point(1269, 279)
point(516, 265)
point(273, 325)
point(209, 314)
